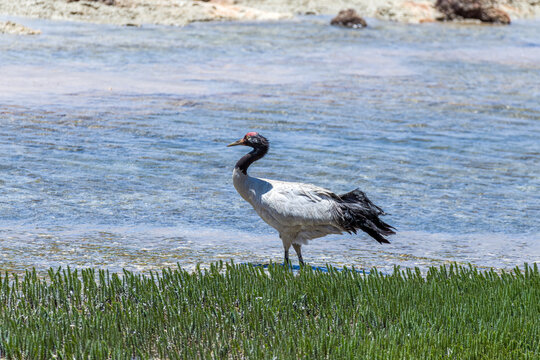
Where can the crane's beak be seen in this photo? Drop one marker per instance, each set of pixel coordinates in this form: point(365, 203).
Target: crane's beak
point(237, 142)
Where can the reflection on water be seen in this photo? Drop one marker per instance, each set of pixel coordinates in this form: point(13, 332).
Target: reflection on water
point(112, 140)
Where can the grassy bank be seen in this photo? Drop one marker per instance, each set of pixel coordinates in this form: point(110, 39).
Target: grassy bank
point(239, 311)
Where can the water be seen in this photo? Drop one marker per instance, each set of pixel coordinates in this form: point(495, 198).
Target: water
point(112, 140)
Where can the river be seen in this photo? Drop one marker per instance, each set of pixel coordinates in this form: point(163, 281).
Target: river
point(112, 140)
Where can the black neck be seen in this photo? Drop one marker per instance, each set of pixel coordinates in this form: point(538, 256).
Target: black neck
point(248, 159)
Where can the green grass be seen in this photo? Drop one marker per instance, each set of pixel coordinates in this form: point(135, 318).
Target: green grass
point(239, 311)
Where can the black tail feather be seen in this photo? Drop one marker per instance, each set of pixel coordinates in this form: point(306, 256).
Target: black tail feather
point(357, 196)
point(358, 212)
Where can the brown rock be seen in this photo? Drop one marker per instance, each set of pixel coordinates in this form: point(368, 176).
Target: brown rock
point(348, 18)
point(482, 10)
point(496, 16)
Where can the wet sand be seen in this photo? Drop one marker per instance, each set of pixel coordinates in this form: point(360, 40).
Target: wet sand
point(180, 13)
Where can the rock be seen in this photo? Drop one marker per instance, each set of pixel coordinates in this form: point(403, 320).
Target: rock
point(10, 27)
point(496, 16)
point(482, 10)
point(348, 18)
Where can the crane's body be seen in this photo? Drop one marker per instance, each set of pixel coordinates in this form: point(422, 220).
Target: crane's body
point(301, 212)
point(312, 214)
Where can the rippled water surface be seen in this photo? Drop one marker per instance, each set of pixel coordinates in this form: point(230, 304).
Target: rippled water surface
point(112, 140)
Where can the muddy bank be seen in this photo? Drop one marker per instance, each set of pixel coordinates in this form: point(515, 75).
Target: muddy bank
point(175, 12)
point(409, 11)
point(135, 12)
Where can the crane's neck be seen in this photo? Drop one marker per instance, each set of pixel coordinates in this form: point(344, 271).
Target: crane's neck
point(248, 159)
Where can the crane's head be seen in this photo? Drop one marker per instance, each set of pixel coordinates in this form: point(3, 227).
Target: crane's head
point(252, 139)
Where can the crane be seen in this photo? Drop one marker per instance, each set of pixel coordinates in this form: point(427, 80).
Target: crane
point(301, 212)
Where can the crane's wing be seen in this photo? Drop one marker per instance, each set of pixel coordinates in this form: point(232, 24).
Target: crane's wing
point(314, 211)
point(293, 204)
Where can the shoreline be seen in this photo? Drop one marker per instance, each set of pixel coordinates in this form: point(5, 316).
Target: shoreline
point(181, 13)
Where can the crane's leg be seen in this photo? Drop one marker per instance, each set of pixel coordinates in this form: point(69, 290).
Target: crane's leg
point(298, 249)
point(286, 245)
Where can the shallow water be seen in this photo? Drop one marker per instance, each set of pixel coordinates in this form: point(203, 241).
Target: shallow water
point(112, 140)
